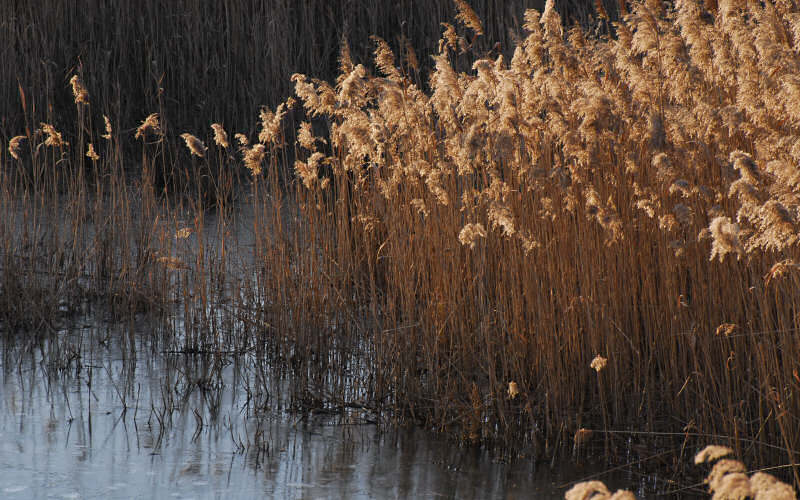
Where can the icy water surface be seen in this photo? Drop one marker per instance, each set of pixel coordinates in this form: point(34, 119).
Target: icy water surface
point(109, 412)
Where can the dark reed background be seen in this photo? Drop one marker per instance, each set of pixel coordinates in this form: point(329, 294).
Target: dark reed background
point(199, 61)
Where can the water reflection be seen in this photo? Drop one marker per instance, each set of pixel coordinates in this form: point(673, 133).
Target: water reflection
point(83, 416)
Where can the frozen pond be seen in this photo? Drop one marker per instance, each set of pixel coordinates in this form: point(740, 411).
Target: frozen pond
point(84, 416)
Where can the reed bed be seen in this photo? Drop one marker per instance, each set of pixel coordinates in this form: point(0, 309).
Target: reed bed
point(727, 480)
point(629, 200)
point(219, 61)
point(587, 244)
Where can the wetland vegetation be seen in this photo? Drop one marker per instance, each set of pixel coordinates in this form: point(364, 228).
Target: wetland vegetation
point(580, 243)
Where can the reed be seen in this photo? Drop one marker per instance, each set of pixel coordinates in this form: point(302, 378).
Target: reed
point(210, 62)
point(455, 251)
point(623, 195)
point(727, 480)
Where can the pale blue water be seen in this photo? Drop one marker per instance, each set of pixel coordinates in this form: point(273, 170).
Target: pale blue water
point(106, 411)
point(95, 426)
point(83, 416)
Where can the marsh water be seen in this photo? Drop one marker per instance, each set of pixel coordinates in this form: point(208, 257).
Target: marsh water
point(108, 411)
point(102, 408)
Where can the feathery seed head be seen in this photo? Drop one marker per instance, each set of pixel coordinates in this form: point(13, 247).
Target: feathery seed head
point(271, 123)
point(345, 60)
point(308, 171)
point(149, 125)
point(54, 139)
point(588, 490)
point(725, 238)
point(107, 135)
point(468, 17)
point(79, 91)
point(665, 173)
point(733, 485)
point(220, 136)
point(743, 190)
point(434, 183)
point(551, 21)
point(721, 469)
point(384, 59)
point(471, 233)
point(242, 140)
point(351, 86)
point(15, 146)
point(305, 137)
point(253, 158)
point(500, 216)
point(767, 487)
point(450, 39)
point(780, 270)
point(195, 145)
point(747, 168)
point(599, 363)
point(513, 390)
point(91, 154)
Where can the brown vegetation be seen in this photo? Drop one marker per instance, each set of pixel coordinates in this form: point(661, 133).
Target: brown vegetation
point(624, 204)
point(728, 480)
point(218, 61)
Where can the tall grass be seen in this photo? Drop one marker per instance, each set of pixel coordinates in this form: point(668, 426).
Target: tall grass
point(727, 480)
point(596, 238)
point(203, 61)
point(632, 197)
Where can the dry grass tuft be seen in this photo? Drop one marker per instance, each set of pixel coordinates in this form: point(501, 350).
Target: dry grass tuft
point(513, 390)
point(728, 479)
point(271, 123)
point(15, 146)
point(220, 136)
point(596, 490)
point(109, 131)
point(467, 16)
point(150, 125)
point(54, 138)
point(725, 237)
point(254, 157)
point(195, 145)
point(91, 153)
point(599, 363)
point(79, 91)
point(471, 234)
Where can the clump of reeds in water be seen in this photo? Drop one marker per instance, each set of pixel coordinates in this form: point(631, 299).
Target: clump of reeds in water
point(630, 195)
point(596, 490)
point(624, 195)
point(727, 480)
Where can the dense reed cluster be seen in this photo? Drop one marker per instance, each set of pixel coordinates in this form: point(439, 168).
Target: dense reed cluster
point(632, 196)
point(727, 480)
point(593, 240)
